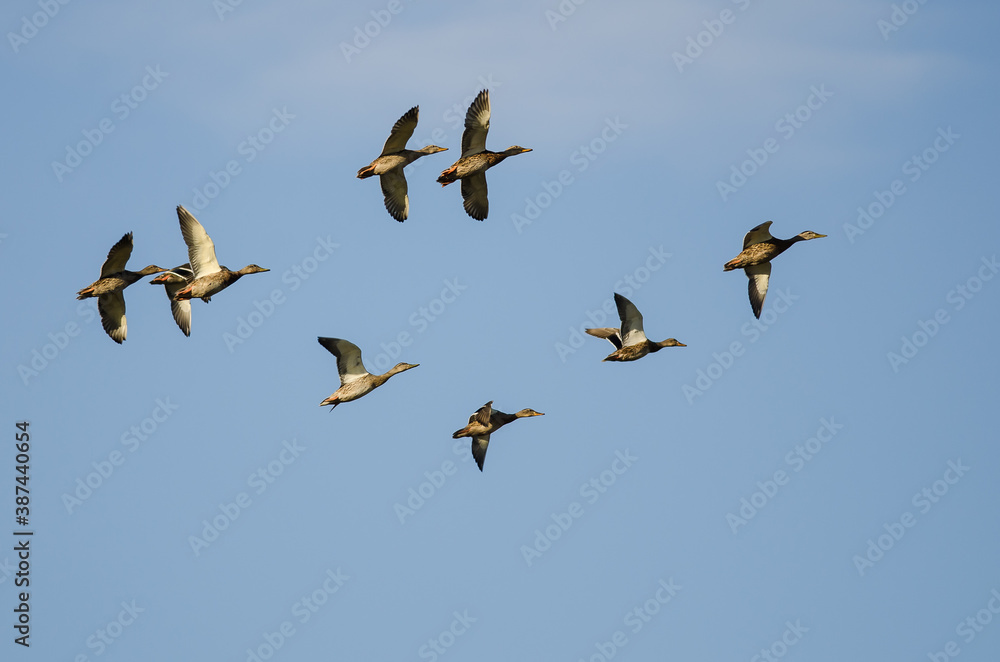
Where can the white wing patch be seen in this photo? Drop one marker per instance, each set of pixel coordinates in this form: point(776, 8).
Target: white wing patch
point(632, 333)
point(759, 276)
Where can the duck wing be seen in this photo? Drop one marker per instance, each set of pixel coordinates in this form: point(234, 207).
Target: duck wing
point(479, 445)
point(758, 235)
point(201, 249)
point(181, 310)
point(348, 355)
point(631, 333)
point(397, 202)
point(611, 335)
point(477, 124)
point(401, 132)
point(112, 309)
point(118, 256)
point(474, 196)
point(759, 276)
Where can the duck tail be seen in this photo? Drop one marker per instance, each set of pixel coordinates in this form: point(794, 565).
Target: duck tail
point(447, 177)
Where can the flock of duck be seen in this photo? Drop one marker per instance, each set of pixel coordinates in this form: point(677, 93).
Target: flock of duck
point(202, 276)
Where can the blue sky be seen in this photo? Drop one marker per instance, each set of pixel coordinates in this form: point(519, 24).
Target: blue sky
point(816, 485)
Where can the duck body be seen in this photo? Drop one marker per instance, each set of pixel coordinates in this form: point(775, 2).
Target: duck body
point(484, 423)
point(759, 248)
point(110, 286)
point(630, 341)
point(471, 167)
point(207, 276)
point(355, 380)
point(390, 163)
point(396, 161)
point(474, 164)
point(205, 287)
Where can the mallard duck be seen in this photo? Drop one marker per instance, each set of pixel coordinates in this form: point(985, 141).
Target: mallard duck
point(390, 163)
point(108, 288)
point(476, 159)
point(355, 380)
point(630, 341)
point(485, 422)
point(759, 248)
point(174, 281)
point(209, 278)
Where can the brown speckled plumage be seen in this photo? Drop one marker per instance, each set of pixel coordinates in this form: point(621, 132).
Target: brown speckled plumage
point(109, 288)
point(476, 159)
point(630, 341)
point(389, 165)
point(485, 422)
point(759, 248)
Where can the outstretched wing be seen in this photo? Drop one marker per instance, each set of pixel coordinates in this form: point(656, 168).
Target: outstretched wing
point(348, 355)
point(118, 256)
point(474, 196)
point(477, 124)
point(479, 445)
point(401, 131)
point(112, 309)
point(397, 202)
point(632, 333)
point(759, 276)
point(201, 249)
